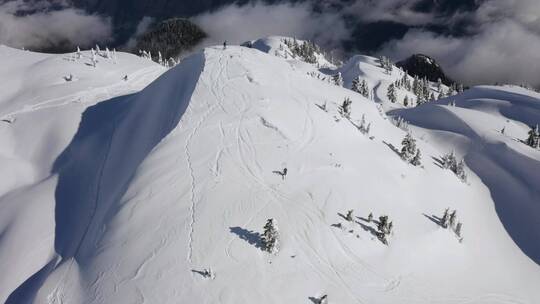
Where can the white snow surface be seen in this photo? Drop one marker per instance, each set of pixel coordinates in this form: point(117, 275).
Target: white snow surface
point(112, 193)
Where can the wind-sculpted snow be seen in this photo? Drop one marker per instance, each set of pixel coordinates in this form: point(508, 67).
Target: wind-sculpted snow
point(510, 169)
point(154, 188)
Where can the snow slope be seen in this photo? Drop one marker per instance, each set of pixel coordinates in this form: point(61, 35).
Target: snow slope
point(152, 187)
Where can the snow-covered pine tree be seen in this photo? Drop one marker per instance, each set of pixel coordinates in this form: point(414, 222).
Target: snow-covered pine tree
point(439, 85)
point(449, 161)
point(406, 101)
point(445, 219)
point(391, 93)
point(534, 137)
point(338, 79)
point(370, 217)
point(270, 238)
point(416, 161)
point(349, 216)
point(408, 149)
point(364, 88)
point(460, 171)
point(452, 220)
point(356, 85)
point(345, 108)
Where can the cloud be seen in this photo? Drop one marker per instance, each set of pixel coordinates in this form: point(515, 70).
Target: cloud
point(238, 24)
point(142, 27)
point(50, 24)
point(501, 44)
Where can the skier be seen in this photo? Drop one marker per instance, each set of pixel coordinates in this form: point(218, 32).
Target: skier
point(284, 173)
point(225, 44)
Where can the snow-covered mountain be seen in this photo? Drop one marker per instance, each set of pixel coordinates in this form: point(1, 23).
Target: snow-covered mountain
point(125, 190)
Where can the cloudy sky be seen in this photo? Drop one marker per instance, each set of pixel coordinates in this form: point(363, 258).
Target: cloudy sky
point(476, 41)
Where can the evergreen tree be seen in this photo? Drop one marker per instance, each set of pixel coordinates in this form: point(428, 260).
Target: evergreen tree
point(445, 219)
point(349, 216)
point(364, 88)
point(439, 85)
point(338, 79)
point(416, 161)
point(370, 217)
point(392, 94)
point(408, 149)
point(406, 101)
point(346, 108)
point(534, 138)
point(270, 238)
point(460, 171)
point(356, 85)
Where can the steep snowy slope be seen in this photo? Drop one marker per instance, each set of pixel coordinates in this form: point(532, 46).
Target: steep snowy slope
point(487, 126)
point(156, 186)
point(41, 112)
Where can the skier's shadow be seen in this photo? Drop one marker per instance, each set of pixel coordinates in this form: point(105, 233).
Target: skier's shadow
point(252, 237)
point(437, 220)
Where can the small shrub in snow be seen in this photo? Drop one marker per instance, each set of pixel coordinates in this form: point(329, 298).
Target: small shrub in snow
point(270, 238)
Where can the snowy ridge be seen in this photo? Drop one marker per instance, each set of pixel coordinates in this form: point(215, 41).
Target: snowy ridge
point(154, 187)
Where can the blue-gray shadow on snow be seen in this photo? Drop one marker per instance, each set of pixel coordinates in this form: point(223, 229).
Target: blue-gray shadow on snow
point(511, 177)
point(94, 171)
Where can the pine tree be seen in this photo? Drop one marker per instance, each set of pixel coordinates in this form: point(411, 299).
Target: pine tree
point(270, 238)
point(452, 220)
point(408, 149)
point(346, 108)
point(406, 101)
point(391, 94)
point(416, 161)
point(534, 138)
point(439, 85)
point(460, 171)
point(349, 216)
point(445, 219)
point(364, 88)
point(370, 217)
point(338, 79)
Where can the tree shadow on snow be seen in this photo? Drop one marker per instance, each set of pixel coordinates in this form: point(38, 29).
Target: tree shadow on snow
point(253, 238)
point(438, 162)
point(393, 148)
point(437, 220)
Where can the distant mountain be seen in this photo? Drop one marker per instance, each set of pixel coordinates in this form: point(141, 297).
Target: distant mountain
point(170, 37)
point(424, 66)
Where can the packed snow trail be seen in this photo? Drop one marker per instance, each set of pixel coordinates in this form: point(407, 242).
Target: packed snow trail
point(188, 184)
